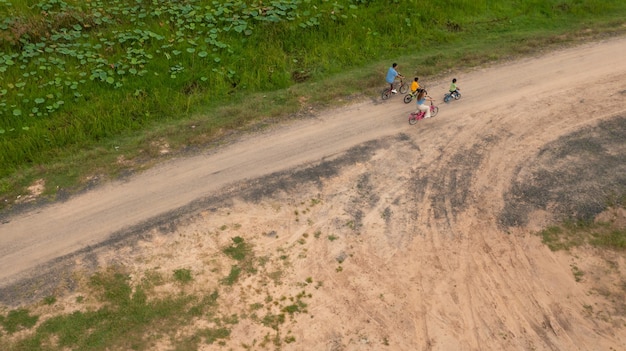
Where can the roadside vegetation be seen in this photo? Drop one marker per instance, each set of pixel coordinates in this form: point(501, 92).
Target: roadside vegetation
point(118, 311)
point(576, 232)
point(91, 90)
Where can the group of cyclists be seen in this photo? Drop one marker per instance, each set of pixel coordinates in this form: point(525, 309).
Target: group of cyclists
point(422, 95)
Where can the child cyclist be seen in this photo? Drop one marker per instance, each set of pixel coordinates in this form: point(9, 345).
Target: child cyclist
point(453, 88)
point(415, 85)
point(422, 97)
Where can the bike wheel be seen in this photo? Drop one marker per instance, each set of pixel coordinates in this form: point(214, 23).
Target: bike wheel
point(434, 111)
point(403, 88)
point(457, 96)
point(385, 94)
point(446, 98)
point(408, 98)
point(412, 118)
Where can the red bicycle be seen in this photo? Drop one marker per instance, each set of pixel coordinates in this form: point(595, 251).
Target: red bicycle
point(400, 86)
point(416, 116)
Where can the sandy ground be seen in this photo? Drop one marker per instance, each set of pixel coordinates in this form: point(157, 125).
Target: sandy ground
point(396, 237)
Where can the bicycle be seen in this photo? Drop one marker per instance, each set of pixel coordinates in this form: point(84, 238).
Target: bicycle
point(410, 96)
point(416, 116)
point(400, 86)
point(451, 95)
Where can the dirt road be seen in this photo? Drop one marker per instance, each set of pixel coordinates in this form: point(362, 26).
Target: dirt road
point(435, 219)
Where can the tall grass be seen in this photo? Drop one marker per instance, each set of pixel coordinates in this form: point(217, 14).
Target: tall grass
point(78, 76)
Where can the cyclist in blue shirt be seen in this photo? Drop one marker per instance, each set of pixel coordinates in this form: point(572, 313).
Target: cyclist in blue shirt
point(392, 73)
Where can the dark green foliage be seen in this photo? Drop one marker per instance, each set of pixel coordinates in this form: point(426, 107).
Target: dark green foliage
point(18, 319)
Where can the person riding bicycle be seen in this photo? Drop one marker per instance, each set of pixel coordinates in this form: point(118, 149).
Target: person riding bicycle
point(453, 88)
point(392, 73)
point(415, 85)
point(422, 97)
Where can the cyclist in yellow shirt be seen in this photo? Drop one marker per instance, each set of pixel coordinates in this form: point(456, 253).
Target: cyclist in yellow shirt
point(415, 85)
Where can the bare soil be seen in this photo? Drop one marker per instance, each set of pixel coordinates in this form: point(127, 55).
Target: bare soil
point(395, 237)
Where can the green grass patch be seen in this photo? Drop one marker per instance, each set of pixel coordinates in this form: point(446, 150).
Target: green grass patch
point(117, 314)
point(256, 306)
point(212, 335)
point(49, 300)
point(206, 336)
point(578, 274)
point(17, 320)
point(273, 320)
point(298, 307)
point(183, 275)
point(574, 233)
point(233, 276)
point(239, 250)
point(615, 239)
point(126, 317)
